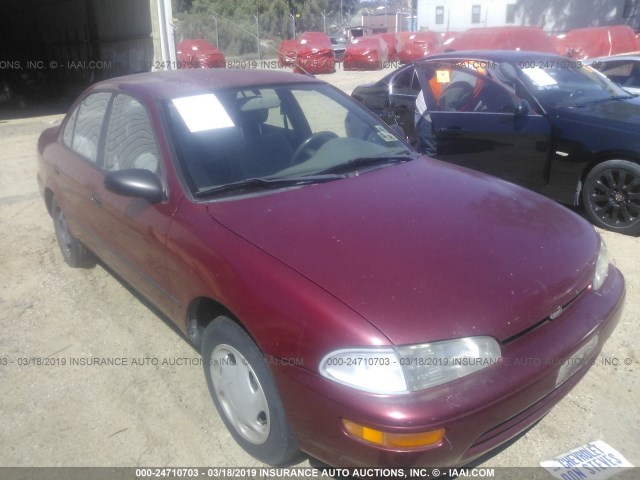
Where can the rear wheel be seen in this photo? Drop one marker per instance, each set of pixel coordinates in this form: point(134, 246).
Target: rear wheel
point(73, 252)
point(245, 394)
point(611, 196)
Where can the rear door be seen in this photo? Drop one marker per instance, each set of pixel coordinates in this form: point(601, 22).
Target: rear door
point(403, 91)
point(76, 165)
point(479, 123)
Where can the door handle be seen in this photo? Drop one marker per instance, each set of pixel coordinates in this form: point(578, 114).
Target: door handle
point(451, 131)
point(95, 199)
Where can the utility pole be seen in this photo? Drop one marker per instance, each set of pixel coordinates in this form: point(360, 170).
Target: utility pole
point(293, 24)
point(257, 33)
point(215, 20)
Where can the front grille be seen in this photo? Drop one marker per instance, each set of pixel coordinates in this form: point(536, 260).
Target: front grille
point(544, 321)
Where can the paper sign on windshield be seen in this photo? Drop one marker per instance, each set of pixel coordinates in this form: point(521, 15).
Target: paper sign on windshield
point(442, 76)
point(203, 112)
point(539, 77)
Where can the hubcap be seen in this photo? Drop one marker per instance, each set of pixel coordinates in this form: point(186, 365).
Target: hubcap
point(240, 394)
point(615, 197)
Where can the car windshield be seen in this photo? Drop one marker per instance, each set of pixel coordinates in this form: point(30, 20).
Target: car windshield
point(568, 83)
point(276, 136)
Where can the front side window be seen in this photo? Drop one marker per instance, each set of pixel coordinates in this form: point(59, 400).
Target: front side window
point(130, 141)
point(260, 138)
point(85, 134)
point(460, 89)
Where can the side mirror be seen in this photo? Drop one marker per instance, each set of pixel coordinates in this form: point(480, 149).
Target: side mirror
point(522, 109)
point(137, 183)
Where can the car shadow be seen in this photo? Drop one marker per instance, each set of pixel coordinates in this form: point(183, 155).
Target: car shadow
point(142, 299)
point(478, 462)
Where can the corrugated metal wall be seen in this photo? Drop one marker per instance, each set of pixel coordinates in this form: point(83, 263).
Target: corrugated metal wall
point(76, 40)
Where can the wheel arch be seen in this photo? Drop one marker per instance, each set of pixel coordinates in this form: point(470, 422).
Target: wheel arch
point(201, 312)
point(602, 157)
point(48, 200)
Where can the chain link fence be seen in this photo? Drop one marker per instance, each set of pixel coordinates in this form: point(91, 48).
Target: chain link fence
point(254, 36)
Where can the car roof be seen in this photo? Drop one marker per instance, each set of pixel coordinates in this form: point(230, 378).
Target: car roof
point(176, 83)
point(622, 56)
point(509, 56)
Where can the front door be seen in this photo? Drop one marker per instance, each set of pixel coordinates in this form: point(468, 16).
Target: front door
point(133, 231)
point(481, 124)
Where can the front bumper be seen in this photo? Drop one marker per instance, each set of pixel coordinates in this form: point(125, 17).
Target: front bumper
point(479, 412)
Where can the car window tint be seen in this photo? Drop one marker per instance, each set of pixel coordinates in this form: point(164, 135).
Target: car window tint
point(406, 83)
point(88, 125)
point(130, 141)
point(464, 90)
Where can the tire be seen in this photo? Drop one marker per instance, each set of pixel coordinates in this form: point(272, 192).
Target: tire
point(611, 196)
point(244, 393)
point(73, 252)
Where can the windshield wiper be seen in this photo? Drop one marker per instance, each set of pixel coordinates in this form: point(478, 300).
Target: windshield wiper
point(614, 97)
point(258, 183)
point(599, 100)
point(356, 163)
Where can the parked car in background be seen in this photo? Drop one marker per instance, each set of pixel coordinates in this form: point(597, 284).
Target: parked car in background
point(339, 45)
point(312, 54)
point(590, 42)
point(546, 122)
point(366, 53)
point(350, 298)
point(391, 39)
point(315, 54)
point(622, 69)
point(415, 45)
point(198, 53)
point(499, 38)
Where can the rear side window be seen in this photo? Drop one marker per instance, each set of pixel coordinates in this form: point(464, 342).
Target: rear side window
point(83, 135)
point(67, 135)
point(130, 141)
point(406, 83)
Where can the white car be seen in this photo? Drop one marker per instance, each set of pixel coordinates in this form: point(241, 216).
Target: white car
point(622, 69)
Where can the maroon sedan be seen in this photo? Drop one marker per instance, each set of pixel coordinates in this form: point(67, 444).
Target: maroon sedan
point(351, 299)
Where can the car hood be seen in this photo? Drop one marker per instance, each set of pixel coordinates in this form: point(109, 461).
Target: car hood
point(425, 250)
point(622, 113)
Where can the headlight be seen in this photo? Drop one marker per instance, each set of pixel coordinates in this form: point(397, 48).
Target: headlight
point(409, 368)
point(602, 266)
point(373, 370)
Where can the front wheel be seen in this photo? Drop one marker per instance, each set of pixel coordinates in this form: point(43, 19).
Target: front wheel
point(245, 394)
point(611, 196)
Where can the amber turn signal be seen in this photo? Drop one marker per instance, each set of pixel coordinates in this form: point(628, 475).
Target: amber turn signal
point(400, 441)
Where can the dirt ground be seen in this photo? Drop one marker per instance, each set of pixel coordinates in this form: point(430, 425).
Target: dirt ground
point(155, 414)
